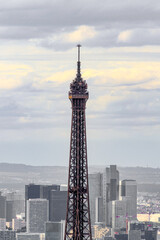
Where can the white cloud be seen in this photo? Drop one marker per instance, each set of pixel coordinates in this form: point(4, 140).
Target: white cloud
point(125, 36)
point(101, 103)
point(61, 77)
point(81, 34)
point(12, 75)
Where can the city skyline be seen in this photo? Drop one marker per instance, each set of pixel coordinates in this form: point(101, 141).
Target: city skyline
point(120, 62)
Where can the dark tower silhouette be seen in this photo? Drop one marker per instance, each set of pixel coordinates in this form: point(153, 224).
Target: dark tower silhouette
point(78, 225)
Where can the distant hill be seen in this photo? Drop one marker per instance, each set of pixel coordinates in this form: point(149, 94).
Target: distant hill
point(15, 176)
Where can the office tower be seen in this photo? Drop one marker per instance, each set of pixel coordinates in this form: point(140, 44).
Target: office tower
point(95, 190)
point(9, 211)
point(30, 236)
point(39, 191)
point(118, 215)
point(54, 230)
point(2, 224)
point(14, 205)
point(151, 234)
point(78, 224)
point(57, 205)
point(7, 235)
point(99, 210)
point(2, 206)
point(129, 190)
point(134, 235)
point(135, 225)
point(110, 191)
point(129, 208)
point(148, 232)
point(33, 191)
point(37, 215)
point(46, 189)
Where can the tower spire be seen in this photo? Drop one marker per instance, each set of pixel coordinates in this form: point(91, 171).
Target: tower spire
point(79, 64)
point(79, 46)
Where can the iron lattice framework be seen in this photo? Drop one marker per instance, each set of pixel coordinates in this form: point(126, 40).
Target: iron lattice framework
point(78, 226)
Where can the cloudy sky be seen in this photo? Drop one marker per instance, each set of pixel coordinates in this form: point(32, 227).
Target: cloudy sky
point(120, 61)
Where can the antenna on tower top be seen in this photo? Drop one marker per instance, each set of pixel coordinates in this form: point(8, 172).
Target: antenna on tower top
point(79, 63)
point(79, 46)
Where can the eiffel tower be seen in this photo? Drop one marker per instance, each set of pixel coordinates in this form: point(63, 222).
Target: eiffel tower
point(78, 224)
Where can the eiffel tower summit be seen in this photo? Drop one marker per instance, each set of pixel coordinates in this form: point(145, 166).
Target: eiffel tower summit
point(78, 224)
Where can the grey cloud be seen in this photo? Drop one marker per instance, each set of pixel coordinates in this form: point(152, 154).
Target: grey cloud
point(64, 13)
point(140, 37)
point(33, 107)
point(17, 113)
point(107, 38)
point(137, 106)
point(36, 108)
point(56, 44)
point(135, 109)
point(41, 19)
point(10, 110)
point(136, 37)
point(25, 32)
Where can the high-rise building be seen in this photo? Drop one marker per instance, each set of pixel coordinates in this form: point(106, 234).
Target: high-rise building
point(148, 232)
point(151, 234)
point(95, 190)
point(7, 235)
point(33, 191)
point(99, 210)
point(134, 235)
point(110, 191)
point(57, 205)
point(135, 225)
point(118, 215)
point(37, 215)
point(78, 224)
point(2, 206)
point(46, 190)
point(54, 230)
point(9, 211)
point(129, 193)
point(14, 205)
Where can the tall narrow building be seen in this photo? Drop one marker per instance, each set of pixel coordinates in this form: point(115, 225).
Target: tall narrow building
point(110, 191)
point(95, 190)
point(37, 215)
point(2, 206)
point(129, 193)
point(78, 225)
